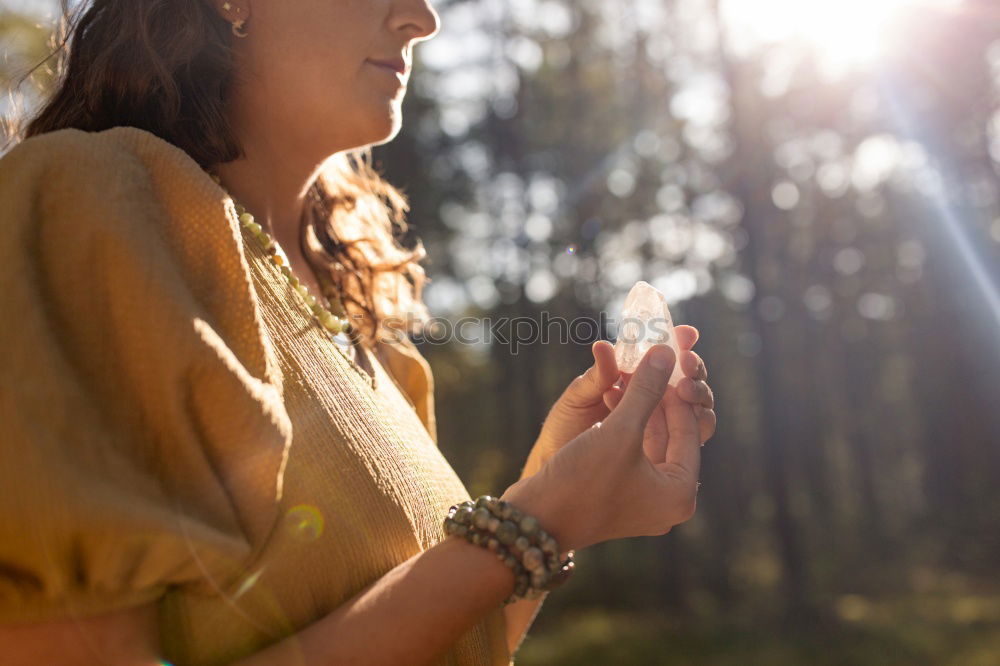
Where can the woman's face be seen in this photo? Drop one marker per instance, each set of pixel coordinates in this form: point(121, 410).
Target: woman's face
point(326, 75)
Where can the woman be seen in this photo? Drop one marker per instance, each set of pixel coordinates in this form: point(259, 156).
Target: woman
point(214, 450)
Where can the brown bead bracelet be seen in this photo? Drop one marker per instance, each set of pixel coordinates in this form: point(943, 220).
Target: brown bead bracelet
point(518, 541)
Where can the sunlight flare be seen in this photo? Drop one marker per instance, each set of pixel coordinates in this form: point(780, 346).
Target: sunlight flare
point(843, 34)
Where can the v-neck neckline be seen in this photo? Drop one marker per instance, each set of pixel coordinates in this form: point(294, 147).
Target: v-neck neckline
point(369, 373)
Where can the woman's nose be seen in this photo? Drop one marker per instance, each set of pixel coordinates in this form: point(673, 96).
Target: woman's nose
point(417, 18)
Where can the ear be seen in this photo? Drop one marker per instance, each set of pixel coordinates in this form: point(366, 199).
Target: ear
point(231, 10)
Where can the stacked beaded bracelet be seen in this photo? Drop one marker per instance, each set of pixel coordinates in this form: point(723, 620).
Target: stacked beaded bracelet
point(518, 541)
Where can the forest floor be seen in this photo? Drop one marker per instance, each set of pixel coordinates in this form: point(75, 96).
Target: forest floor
point(931, 630)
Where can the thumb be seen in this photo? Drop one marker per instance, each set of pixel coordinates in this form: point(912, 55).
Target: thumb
point(646, 388)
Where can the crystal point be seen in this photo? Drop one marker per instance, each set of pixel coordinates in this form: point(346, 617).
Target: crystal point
point(645, 321)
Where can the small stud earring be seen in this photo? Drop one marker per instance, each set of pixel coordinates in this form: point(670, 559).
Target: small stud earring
point(226, 6)
point(238, 28)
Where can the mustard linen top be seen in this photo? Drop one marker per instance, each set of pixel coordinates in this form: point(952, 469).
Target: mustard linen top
point(176, 429)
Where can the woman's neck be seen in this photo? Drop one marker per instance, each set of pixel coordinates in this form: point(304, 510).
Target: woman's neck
point(271, 183)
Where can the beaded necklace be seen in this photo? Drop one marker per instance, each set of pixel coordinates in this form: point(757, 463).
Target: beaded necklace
point(331, 317)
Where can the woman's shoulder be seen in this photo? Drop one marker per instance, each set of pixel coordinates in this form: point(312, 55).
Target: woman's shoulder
point(70, 190)
point(120, 161)
point(115, 145)
point(124, 219)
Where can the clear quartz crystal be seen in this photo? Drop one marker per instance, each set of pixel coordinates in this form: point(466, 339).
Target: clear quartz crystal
point(645, 321)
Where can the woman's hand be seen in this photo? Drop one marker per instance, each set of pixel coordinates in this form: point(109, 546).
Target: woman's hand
point(591, 396)
point(604, 485)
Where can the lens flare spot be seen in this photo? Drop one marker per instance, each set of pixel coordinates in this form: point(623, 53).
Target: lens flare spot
point(571, 249)
point(305, 522)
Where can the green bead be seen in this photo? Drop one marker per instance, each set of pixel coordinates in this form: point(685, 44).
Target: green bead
point(463, 512)
point(493, 544)
point(498, 508)
point(254, 227)
point(506, 510)
point(493, 524)
point(507, 532)
point(310, 299)
point(334, 325)
point(246, 219)
point(539, 578)
point(481, 518)
point(511, 561)
point(529, 526)
point(317, 309)
point(522, 543)
point(484, 502)
point(533, 559)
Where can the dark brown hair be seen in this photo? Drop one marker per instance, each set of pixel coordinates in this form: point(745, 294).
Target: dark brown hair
point(165, 66)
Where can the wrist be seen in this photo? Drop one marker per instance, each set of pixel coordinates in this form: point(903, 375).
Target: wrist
point(550, 511)
point(516, 538)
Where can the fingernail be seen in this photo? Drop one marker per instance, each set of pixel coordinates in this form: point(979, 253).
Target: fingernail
point(661, 357)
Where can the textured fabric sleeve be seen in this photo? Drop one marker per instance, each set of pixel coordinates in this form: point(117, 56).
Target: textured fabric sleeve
point(144, 434)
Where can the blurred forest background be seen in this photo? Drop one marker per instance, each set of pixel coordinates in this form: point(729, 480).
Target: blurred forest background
point(814, 186)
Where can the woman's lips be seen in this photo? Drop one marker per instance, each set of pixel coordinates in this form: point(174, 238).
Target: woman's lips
point(397, 66)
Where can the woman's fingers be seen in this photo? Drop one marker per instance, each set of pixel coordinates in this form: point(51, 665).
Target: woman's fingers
point(693, 366)
point(706, 422)
point(654, 440)
point(654, 443)
point(683, 457)
point(587, 388)
point(707, 419)
point(645, 390)
point(687, 336)
point(605, 363)
point(700, 396)
point(696, 392)
point(612, 397)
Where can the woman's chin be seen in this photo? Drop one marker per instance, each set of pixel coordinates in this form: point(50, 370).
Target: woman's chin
point(394, 130)
point(380, 125)
point(386, 128)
